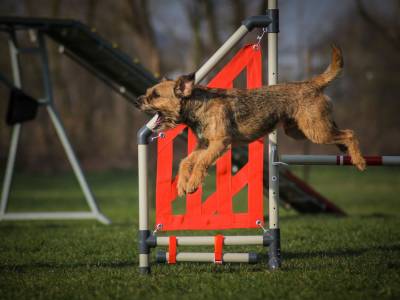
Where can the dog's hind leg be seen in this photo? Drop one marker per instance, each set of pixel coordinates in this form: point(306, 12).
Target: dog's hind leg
point(347, 138)
point(319, 128)
point(292, 129)
point(342, 147)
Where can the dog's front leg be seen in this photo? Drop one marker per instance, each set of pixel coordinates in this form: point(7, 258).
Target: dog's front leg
point(204, 160)
point(185, 169)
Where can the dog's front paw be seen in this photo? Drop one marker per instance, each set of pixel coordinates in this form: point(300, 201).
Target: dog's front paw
point(193, 184)
point(181, 187)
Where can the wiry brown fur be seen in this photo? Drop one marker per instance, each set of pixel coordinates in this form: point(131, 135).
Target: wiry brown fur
point(222, 117)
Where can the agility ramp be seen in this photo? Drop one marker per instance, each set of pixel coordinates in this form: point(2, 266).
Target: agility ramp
point(128, 78)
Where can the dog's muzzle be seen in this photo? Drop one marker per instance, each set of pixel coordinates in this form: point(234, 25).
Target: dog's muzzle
point(139, 101)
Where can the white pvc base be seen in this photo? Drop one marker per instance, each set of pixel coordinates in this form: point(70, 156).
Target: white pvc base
point(53, 216)
point(209, 257)
point(209, 240)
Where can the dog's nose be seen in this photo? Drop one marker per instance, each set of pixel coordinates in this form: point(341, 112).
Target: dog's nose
point(138, 101)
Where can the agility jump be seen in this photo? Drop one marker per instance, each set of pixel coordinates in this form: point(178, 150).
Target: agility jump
point(219, 211)
point(215, 212)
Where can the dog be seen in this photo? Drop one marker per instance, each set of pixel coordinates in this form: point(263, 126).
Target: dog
point(221, 118)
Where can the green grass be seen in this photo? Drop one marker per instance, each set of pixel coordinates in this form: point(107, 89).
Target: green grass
point(324, 257)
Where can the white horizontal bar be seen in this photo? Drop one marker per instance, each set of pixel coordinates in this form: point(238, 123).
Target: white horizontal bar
point(209, 240)
point(19, 216)
point(391, 160)
point(209, 257)
point(339, 160)
point(308, 159)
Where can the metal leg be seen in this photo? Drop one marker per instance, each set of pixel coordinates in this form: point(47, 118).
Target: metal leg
point(274, 261)
point(16, 130)
point(144, 251)
point(144, 232)
point(75, 165)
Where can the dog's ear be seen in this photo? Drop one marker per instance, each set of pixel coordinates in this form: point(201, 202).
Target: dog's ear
point(184, 85)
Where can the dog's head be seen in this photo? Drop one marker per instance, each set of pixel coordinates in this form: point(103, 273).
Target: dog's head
point(165, 99)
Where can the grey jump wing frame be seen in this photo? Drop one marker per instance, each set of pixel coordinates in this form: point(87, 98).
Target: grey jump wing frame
point(271, 238)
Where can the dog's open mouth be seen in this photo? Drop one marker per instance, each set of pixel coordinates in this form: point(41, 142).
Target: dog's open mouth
point(156, 122)
point(159, 120)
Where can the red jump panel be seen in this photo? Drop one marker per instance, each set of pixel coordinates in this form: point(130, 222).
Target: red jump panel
point(215, 212)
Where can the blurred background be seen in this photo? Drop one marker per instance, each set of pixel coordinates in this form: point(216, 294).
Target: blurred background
point(177, 36)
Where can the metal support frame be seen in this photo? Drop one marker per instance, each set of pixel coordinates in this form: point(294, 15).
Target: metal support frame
point(16, 130)
point(274, 260)
point(47, 101)
point(144, 232)
point(337, 160)
point(270, 237)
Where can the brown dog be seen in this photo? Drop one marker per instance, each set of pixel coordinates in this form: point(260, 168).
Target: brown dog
point(222, 117)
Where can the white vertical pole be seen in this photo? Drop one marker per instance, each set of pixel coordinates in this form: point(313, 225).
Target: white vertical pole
point(16, 130)
point(273, 171)
point(273, 191)
point(144, 233)
point(143, 207)
point(143, 189)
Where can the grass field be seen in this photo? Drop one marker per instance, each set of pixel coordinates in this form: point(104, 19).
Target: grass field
point(324, 257)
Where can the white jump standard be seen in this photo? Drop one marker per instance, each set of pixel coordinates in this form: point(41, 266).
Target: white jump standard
point(270, 237)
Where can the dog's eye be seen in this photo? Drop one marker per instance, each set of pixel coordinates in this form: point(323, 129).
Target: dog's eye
point(154, 94)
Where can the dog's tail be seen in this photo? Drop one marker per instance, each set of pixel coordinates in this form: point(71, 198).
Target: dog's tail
point(332, 71)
